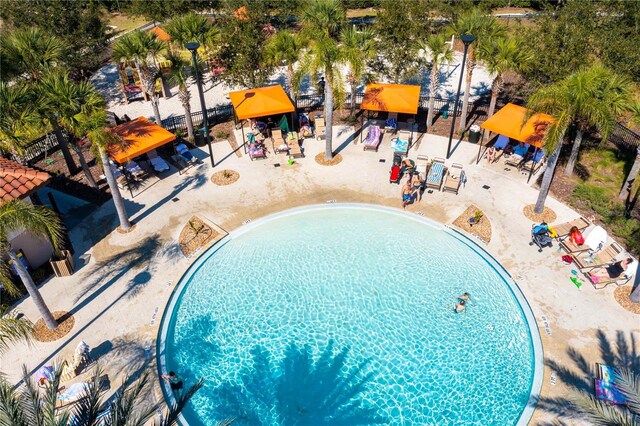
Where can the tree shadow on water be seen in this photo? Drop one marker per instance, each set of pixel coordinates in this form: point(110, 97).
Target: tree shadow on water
point(299, 390)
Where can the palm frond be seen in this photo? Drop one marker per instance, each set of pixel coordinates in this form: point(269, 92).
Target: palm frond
point(37, 219)
point(180, 403)
point(13, 329)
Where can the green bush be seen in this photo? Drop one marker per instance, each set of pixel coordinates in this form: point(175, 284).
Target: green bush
point(595, 198)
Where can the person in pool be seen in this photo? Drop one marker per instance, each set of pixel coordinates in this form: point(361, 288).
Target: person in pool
point(459, 307)
point(465, 298)
point(175, 382)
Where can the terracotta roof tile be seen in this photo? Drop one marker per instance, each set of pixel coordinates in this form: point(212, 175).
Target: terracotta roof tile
point(18, 181)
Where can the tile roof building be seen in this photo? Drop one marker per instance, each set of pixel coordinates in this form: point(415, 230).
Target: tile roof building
point(18, 181)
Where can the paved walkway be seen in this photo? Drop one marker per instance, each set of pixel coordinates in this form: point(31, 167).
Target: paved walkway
point(123, 281)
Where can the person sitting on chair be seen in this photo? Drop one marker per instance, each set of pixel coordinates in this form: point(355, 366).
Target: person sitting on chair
point(185, 154)
point(408, 166)
point(575, 236)
point(491, 154)
point(614, 270)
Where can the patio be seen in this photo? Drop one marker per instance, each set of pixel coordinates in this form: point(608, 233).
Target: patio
point(123, 281)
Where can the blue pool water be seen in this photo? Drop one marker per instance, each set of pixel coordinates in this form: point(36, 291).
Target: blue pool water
point(343, 315)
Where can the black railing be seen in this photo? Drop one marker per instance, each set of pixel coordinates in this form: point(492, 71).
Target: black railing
point(621, 135)
point(39, 148)
point(215, 115)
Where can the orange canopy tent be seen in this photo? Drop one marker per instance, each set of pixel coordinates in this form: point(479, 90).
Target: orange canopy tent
point(139, 136)
point(399, 98)
point(252, 103)
point(160, 33)
point(509, 122)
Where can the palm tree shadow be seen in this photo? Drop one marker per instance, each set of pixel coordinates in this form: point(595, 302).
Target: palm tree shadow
point(299, 390)
point(621, 353)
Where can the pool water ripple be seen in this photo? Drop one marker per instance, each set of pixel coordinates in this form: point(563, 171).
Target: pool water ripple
point(372, 284)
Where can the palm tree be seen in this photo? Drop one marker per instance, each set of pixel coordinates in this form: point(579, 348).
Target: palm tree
point(34, 53)
point(283, 49)
point(485, 28)
point(127, 49)
point(40, 221)
point(19, 120)
point(566, 101)
point(187, 28)
point(358, 47)
point(502, 55)
point(440, 52)
point(13, 328)
point(322, 22)
point(149, 76)
point(631, 181)
point(31, 405)
point(94, 126)
point(180, 77)
point(600, 96)
point(65, 99)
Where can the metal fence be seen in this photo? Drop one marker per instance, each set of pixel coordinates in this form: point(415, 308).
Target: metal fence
point(621, 135)
point(48, 144)
point(38, 149)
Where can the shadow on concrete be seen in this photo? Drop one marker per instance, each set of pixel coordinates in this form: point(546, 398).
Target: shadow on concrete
point(621, 353)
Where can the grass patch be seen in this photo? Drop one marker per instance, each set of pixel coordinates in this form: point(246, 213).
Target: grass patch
point(361, 13)
point(598, 192)
point(124, 22)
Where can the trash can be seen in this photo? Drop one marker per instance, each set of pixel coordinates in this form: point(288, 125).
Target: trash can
point(474, 133)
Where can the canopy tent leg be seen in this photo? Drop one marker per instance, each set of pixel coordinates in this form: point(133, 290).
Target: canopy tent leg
point(362, 126)
point(533, 164)
point(480, 147)
point(244, 145)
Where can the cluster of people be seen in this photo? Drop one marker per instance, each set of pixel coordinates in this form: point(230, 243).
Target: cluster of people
point(412, 189)
point(461, 305)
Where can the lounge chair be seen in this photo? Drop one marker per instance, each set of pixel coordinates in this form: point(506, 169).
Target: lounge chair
point(373, 139)
point(391, 123)
point(183, 153)
point(72, 394)
point(135, 170)
point(435, 174)
point(563, 229)
point(605, 387)
point(158, 163)
point(453, 179)
point(278, 143)
point(604, 257)
point(256, 149)
point(294, 145)
point(321, 128)
point(623, 279)
point(501, 143)
point(532, 166)
point(595, 241)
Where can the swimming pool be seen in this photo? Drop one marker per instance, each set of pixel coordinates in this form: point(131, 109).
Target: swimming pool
point(342, 314)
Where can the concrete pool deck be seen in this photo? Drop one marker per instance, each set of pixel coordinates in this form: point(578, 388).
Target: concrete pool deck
point(123, 281)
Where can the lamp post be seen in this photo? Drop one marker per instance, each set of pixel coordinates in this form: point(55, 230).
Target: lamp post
point(467, 39)
point(193, 47)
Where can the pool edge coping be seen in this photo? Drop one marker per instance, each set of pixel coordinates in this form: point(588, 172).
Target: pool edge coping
point(536, 338)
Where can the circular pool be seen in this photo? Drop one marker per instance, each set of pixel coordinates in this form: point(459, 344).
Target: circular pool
point(342, 314)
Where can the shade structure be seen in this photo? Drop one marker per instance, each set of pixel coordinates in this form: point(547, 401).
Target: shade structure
point(400, 98)
point(139, 136)
point(253, 103)
point(509, 122)
point(160, 34)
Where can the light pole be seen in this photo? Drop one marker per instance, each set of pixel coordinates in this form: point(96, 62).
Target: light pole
point(193, 47)
point(467, 39)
